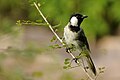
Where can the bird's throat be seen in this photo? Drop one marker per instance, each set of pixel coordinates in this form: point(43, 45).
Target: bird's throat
point(74, 28)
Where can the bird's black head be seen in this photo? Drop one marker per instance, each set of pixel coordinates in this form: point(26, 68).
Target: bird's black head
point(76, 19)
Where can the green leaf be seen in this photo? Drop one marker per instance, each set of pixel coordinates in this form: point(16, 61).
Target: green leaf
point(69, 65)
point(55, 46)
point(100, 68)
point(18, 23)
point(78, 57)
point(101, 71)
point(39, 4)
point(56, 26)
point(53, 39)
point(103, 67)
point(67, 59)
point(65, 67)
point(66, 62)
point(39, 21)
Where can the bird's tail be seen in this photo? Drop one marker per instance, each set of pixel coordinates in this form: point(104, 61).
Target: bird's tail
point(88, 64)
point(91, 65)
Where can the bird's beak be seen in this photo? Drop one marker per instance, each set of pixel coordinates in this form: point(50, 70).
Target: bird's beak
point(84, 16)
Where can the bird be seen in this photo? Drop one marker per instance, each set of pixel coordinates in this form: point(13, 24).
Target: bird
point(75, 39)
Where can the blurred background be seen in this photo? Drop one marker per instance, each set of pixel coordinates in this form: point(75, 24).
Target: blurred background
point(24, 50)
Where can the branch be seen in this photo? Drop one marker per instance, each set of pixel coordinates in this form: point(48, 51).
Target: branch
point(48, 24)
point(78, 63)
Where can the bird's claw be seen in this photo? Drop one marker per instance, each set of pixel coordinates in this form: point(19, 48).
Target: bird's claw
point(76, 59)
point(68, 50)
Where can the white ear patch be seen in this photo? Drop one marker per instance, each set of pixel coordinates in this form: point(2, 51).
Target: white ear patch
point(74, 21)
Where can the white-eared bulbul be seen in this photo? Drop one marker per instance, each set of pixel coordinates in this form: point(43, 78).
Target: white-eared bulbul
point(74, 36)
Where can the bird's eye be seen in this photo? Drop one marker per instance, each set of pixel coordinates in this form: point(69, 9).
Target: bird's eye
point(77, 16)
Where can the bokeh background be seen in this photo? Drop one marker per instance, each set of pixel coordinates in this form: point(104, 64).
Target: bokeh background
point(24, 50)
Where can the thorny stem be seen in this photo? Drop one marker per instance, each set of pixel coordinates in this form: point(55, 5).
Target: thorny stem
point(78, 63)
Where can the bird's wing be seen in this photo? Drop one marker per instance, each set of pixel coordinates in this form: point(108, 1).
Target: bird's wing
point(82, 38)
point(83, 42)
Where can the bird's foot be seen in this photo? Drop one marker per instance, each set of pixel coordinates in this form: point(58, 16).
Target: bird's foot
point(76, 60)
point(68, 50)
